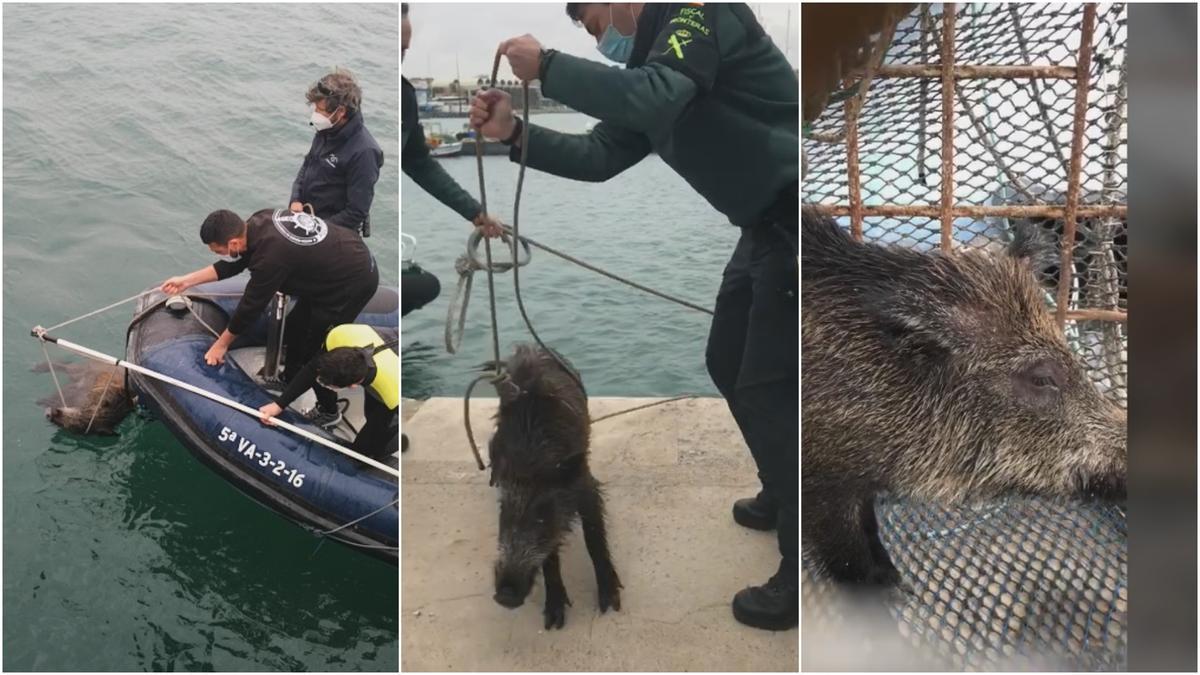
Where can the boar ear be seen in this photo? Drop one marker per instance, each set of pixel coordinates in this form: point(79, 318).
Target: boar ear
point(1033, 245)
point(914, 327)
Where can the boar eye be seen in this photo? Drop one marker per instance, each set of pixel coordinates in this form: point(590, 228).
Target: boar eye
point(1044, 381)
point(1040, 379)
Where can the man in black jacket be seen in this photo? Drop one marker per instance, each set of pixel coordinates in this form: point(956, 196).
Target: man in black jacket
point(340, 170)
point(327, 268)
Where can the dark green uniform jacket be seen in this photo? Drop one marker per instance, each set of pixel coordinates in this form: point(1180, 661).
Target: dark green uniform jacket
point(418, 165)
point(705, 88)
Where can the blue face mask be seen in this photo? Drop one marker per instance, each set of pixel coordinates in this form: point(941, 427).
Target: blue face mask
point(613, 45)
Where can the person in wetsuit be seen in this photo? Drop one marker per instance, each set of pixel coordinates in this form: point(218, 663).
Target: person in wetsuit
point(708, 91)
point(356, 355)
point(327, 268)
point(341, 168)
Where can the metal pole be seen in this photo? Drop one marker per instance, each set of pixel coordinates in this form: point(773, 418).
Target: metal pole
point(977, 72)
point(948, 17)
point(975, 211)
point(112, 361)
point(854, 187)
point(1083, 66)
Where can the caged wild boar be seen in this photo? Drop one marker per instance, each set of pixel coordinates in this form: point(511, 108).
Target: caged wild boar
point(538, 457)
point(936, 377)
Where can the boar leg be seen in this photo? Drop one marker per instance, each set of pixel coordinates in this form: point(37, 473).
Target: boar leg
point(840, 524)
point(556, 593)
point(591, 515)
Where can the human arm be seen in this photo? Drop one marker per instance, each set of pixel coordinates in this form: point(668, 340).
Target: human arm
point(269, 411)
point(176, 285)
point(295, 194)
point(265, 280)
point(302, 382)
point(216, 353)
point(360, 189)
point(647, 99)
point(419, 165)
point(597, 156)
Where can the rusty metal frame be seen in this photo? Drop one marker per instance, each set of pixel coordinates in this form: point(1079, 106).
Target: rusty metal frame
point(946, 210)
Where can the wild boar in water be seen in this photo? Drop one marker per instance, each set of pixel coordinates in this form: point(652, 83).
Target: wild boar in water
point(91, 399)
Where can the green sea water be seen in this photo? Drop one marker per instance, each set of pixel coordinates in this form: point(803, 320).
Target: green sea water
point(124, 125)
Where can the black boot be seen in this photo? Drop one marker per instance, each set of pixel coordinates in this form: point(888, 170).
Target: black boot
point(756, 513)
point(772, 606)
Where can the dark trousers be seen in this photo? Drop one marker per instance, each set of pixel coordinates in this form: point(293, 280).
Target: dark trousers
point(307, 325)
point(753, 358)
point(379, 436)
point(417, 289)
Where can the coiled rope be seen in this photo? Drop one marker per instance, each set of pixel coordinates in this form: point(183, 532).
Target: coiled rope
point(466, 266)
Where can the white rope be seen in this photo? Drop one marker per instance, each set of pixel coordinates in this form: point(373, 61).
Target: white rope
point(105, 358)
point(54, 375)
point(188, 302)
point(99, 311)
point(96, 408)
point(358, 519)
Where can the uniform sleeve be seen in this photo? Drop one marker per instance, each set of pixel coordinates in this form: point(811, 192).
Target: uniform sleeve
point(295, 196)
point(360, 189)
point(265, 280)
point(596, 156)
point(688, 44)
point(303, 381)
point(230, 268)
point(425, 171)
point(641, 99)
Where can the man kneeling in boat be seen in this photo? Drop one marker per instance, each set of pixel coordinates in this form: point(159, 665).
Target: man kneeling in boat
point(329, 270)
point(356, 355)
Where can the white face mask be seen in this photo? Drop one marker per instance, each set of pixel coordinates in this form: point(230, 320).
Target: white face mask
point(319, 121)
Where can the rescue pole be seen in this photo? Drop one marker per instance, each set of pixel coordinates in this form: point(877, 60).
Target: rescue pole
point(41, 334)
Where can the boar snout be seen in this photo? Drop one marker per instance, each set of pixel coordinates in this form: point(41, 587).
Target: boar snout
point(513, 587)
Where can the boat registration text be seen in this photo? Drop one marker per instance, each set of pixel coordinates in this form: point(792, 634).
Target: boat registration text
point(247, 448)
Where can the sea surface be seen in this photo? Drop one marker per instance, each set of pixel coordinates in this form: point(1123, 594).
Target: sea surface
point(124, 125)
point(645, 224)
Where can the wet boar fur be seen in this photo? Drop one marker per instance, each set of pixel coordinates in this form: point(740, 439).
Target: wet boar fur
point(539, 462)
point(937, 377)
point(84, 390)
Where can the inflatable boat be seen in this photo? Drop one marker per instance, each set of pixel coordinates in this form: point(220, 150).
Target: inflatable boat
point(316, 486)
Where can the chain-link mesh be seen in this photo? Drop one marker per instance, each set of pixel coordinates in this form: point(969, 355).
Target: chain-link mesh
point(1012, 144)
point(1019, 583)
point(1015, 584)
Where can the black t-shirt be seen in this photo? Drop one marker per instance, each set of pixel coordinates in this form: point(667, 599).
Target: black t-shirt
point(327, 267)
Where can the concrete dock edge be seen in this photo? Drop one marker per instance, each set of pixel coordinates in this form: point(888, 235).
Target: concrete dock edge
point(671, 474)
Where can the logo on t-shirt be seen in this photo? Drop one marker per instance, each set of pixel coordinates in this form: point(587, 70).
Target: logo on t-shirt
point(300, 228)
point(332, 160)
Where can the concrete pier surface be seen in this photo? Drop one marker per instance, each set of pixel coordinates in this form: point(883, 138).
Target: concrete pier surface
point(671, 474)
